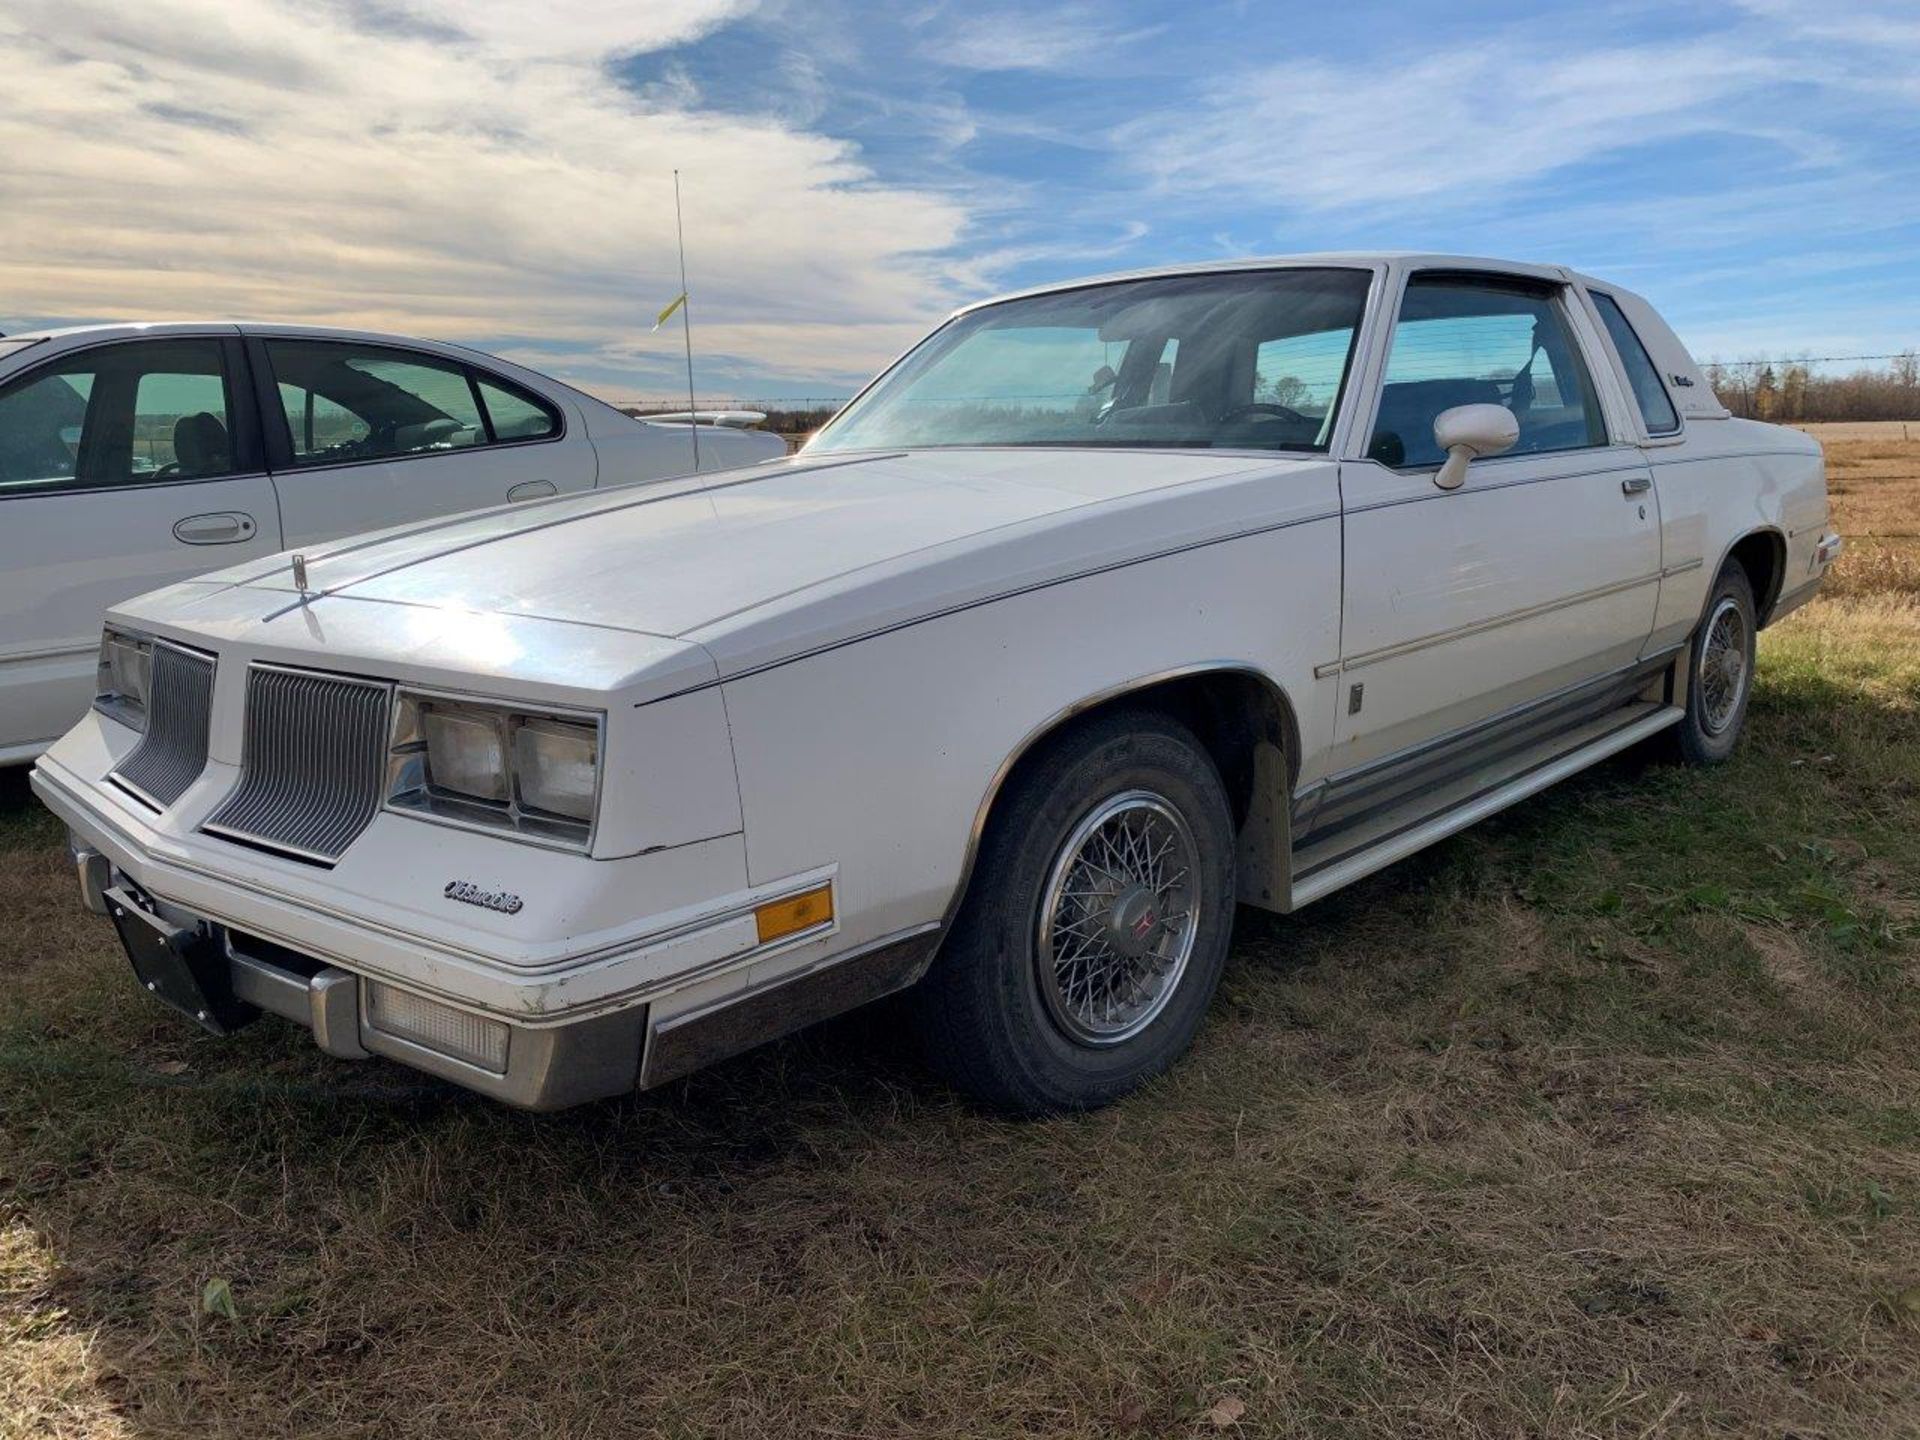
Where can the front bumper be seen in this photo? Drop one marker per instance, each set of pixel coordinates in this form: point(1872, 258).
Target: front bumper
point(678, 991)
point(224, 979)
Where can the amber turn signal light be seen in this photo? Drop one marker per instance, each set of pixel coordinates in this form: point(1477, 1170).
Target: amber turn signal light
point(778, 919)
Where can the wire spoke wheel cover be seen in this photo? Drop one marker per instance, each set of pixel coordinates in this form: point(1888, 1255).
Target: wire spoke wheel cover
point(1724, 666)
point(1118, 919)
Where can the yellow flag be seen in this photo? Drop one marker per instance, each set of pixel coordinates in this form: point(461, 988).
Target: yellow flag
point(667, 314)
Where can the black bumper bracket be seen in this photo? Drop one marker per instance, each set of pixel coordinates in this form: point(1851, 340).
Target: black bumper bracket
point(182, 967)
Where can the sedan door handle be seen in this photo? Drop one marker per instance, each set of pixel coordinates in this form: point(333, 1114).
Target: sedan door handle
point(1636, 485)
point(222, 527)
point(531, 490)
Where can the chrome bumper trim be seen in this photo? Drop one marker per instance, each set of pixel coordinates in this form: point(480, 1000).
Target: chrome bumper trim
point(94, 871)
point(546, 1069)
point(327, 1003)
point(685, 1043)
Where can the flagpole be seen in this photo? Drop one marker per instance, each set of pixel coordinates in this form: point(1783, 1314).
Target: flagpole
point(686, 320)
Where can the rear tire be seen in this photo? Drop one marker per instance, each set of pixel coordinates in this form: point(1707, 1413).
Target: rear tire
point(1082, 961)
point(1719, 673)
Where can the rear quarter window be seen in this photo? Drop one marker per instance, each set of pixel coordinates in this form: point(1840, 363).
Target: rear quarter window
point(1656, 406)
point(516, 415)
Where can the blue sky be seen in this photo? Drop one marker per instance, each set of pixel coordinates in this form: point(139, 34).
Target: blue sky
point(499, 171)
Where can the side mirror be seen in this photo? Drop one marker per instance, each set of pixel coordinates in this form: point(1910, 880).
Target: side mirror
point(1468, 433)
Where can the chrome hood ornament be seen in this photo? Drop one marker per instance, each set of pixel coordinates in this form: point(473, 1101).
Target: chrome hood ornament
point(300, 573)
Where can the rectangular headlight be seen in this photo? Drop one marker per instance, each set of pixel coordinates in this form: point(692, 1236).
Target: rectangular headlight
point(496, 766)
point(466, 751)
point(124, 676)
point(556, 765)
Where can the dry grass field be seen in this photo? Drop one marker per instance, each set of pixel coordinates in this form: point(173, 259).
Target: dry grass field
point(1873, 475)
point(1602, 1119)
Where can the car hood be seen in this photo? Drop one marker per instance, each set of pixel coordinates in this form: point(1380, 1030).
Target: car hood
point(727, 562)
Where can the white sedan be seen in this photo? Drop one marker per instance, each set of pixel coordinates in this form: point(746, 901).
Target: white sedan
point(1108, 607)
point(136, 455)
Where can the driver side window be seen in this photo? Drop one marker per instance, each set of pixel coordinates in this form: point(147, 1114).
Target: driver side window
point(1461, 341)
point(135, 413)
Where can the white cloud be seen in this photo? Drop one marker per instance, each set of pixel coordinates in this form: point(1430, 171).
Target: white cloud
point(1455, 126)
point(453, 168)
point(575, 29)
point(1849, 22)
point(1854, 46)
point(1064, 37)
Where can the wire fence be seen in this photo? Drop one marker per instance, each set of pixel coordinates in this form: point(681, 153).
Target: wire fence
point(1898, 355)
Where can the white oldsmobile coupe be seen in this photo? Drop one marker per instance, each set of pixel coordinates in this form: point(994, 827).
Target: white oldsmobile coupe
point(1107, 607)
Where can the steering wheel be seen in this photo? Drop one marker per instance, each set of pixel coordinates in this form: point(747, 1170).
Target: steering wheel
point(1261, 407)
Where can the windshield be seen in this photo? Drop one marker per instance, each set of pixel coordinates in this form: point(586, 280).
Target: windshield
point(1244, 360)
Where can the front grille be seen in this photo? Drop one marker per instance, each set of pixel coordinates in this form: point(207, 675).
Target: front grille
point(313, 764)
point(173, 752)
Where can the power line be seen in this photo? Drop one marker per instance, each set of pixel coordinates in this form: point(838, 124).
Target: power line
point(1803, 360)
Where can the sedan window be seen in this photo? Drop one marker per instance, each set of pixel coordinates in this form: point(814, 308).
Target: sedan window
point(118, 414)
point(319, 423)
point(516, 415)
point(41, 421)
point(1466, 341)
point(347, 402)
point(180, 425)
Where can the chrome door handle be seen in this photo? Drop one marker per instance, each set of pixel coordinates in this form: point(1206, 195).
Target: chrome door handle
point(531, 490)
point(1636, 485)
point(222, 527)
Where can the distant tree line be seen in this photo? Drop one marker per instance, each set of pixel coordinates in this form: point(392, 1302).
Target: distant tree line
point(1790, 390)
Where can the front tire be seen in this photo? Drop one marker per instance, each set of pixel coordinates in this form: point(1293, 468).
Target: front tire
point(1719, 672)
point(1095, 927)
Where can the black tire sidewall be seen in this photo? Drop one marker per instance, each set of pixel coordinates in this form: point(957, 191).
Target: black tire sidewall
point(998, 928)
point(1696, 743)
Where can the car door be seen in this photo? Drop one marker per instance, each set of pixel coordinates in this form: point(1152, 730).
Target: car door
point(123, 467)
point(1539, 573)
point(361, 436)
